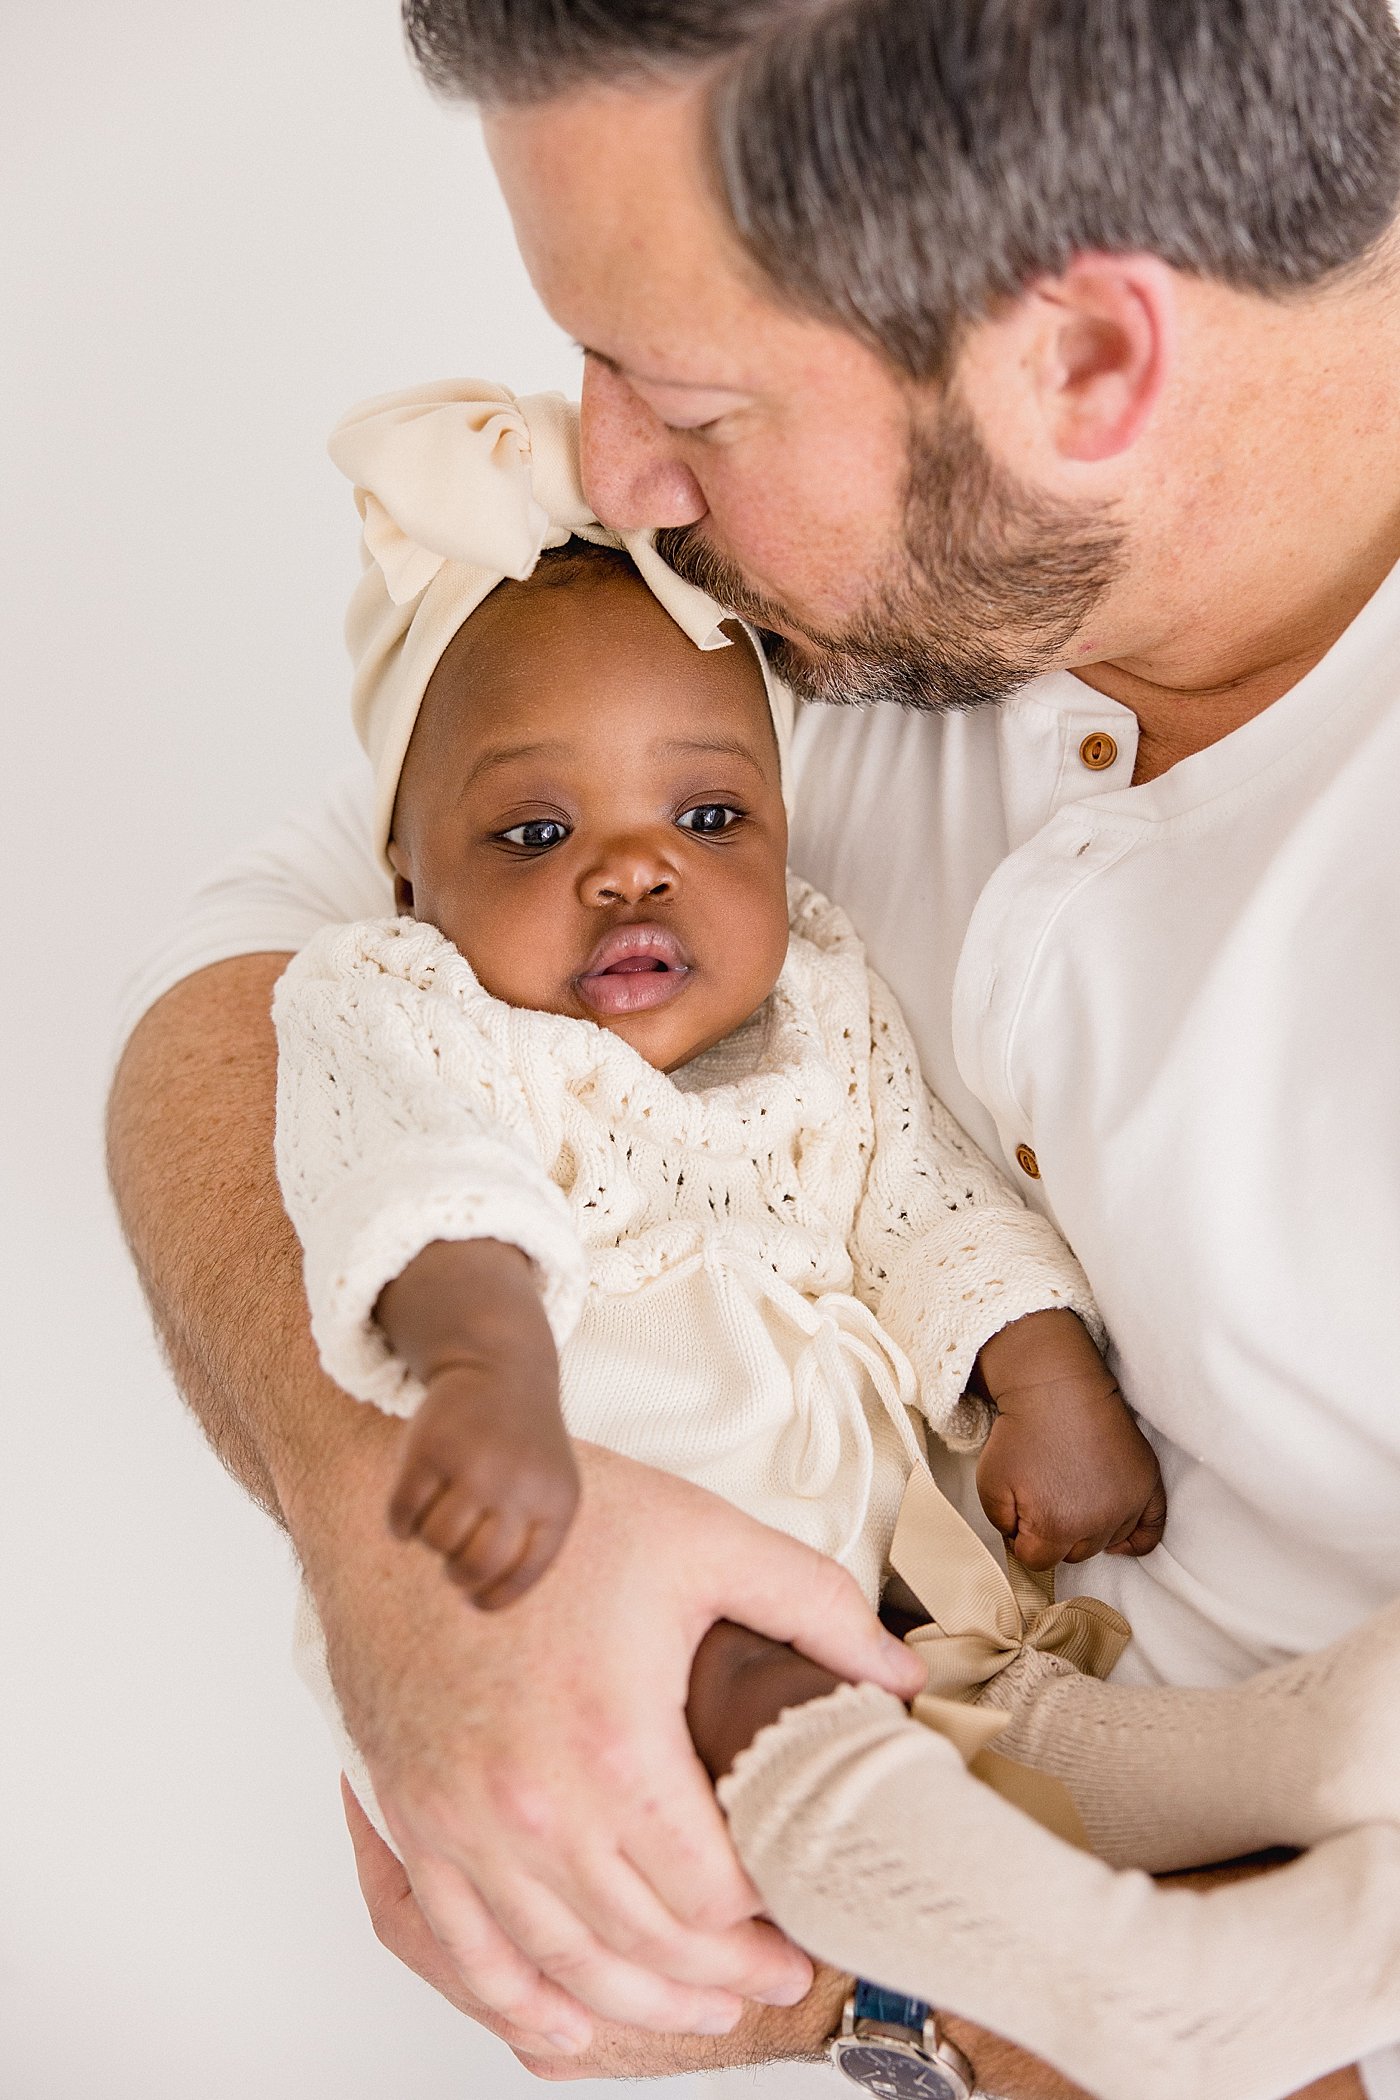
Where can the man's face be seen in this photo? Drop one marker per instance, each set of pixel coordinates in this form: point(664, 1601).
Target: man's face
point(787, 469)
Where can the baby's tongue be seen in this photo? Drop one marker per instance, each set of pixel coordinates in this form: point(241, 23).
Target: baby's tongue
point(631, 964)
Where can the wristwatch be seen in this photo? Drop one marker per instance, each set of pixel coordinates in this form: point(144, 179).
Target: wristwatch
point(891, 2046)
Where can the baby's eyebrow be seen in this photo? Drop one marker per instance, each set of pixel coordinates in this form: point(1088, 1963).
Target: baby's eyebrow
point(507, 754)
point(711, 746)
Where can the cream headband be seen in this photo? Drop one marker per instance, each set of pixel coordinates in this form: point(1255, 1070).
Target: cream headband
point(459, 486)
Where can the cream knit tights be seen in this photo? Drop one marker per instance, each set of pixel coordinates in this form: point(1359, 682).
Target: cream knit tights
point(875, 1849)
point(1166, 1778)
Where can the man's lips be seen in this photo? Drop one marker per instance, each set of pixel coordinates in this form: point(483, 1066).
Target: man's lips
point(633, 969)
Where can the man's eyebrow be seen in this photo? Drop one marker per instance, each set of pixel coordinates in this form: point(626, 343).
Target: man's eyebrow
point(629, 372)
point(506, 754)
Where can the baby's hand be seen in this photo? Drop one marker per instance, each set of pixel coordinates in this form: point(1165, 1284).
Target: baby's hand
point(488, 1478)
point(488, 1481)
point(1065, 1473)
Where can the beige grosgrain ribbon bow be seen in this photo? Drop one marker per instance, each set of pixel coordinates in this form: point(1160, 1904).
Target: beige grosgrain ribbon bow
point(981, 1619)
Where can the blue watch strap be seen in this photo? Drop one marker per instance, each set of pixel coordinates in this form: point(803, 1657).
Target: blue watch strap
point(888, 2007)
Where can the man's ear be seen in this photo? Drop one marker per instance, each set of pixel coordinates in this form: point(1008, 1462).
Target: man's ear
point(403, 886)
point(1105, 349)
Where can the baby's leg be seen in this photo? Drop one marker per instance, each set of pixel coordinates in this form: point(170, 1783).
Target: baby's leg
point(876, 1850)
point(1167, 1778)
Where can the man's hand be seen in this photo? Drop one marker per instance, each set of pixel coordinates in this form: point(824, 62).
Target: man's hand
point(1003, 2071)
point(535, 1768)
point(763, 2035)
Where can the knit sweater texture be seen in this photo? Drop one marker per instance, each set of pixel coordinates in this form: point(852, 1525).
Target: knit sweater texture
point(766, 1284)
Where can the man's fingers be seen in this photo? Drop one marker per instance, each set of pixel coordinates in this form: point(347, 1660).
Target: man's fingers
point(750, 1959)
point(555, 1938)
point(401, 1927)
point(669, 1907)
point(794, 1594)
point(505, 1978)
point(678, 1840)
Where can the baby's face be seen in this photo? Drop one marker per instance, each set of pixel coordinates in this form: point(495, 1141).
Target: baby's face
point(591, 811)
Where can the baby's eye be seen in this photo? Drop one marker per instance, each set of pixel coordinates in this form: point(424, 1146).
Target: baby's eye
point(710, 818)
point(537, 836)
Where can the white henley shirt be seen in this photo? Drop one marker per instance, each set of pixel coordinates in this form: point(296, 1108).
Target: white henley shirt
point(1173, 1011)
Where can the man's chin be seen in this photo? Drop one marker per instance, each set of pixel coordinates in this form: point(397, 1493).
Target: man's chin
point(881, 661)
point(840, 676)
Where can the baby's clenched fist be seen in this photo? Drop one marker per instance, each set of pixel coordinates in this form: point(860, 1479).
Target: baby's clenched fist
point(1065, 1472)
point(488, 1480)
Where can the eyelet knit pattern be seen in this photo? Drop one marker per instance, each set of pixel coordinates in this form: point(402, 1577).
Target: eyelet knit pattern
point(754, 1284)
point(875, 1849)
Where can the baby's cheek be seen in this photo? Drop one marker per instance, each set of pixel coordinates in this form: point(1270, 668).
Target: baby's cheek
point(519, 958)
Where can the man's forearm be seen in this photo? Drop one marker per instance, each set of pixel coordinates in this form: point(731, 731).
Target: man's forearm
point(190, 1125)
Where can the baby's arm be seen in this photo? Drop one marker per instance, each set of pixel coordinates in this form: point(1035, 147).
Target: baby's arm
point(1065, 1472)
point(999, 1322)
point(488, 1478)
point(441, 1264)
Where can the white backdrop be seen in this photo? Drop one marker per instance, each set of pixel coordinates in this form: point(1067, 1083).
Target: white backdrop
point(219, 226)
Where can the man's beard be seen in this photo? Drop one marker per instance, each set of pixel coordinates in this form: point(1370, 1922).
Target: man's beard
point(996, 582)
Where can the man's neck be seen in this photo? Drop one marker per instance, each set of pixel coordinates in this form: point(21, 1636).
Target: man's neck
point(1293, 526)
point(1175, 720)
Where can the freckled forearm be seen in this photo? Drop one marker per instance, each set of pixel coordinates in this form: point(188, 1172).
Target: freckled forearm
point(190, 1153)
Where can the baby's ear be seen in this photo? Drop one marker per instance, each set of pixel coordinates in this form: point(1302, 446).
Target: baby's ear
point(403, 888)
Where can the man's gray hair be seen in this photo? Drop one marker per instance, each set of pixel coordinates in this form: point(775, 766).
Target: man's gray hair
point(900, 166)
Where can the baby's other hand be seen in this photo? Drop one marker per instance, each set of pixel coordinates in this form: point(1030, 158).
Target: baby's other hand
point(488, 1480)
point(1065, 1472)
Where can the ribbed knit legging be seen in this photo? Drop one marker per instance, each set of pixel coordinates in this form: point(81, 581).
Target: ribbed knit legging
point(875, 1849)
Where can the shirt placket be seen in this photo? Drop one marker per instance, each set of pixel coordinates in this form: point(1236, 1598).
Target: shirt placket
point(1061, 753)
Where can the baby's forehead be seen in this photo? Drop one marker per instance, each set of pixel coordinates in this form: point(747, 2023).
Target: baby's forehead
point(582, 632)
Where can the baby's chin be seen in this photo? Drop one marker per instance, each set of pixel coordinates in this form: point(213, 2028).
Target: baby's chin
point(668, 1039)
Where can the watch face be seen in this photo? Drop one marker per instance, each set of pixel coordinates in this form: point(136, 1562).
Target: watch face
point(886, 2069)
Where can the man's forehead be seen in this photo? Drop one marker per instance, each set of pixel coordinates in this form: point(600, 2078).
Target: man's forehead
point(623, 236)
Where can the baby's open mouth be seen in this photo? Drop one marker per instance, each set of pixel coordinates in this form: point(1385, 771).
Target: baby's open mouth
point(632, 969)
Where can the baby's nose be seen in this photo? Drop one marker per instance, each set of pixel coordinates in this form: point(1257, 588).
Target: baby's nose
point(630, 875)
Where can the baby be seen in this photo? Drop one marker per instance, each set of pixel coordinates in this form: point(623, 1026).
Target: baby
point(614, 1037)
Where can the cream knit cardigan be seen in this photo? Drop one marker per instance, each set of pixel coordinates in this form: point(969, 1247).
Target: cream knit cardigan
point(760, 1285)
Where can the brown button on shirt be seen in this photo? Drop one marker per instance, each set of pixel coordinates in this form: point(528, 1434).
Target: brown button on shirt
point(1099, 751)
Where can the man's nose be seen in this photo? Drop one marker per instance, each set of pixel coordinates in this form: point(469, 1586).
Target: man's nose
point(630, 871)
point(632, 474)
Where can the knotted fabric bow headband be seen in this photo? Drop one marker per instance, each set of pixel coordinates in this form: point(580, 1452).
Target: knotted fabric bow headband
point(460, 485)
